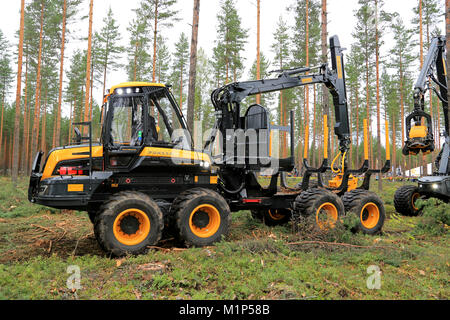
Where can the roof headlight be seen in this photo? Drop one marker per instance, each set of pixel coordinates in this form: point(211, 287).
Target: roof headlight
point(204, 164)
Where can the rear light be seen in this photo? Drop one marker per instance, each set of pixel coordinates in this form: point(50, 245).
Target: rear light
point(71, 171)
point(252, 201)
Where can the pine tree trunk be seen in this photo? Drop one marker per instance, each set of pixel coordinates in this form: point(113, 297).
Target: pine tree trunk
point(44, 126)
point(3, 155)
point(35, 133)
point(366, 56)
point(135, 61)
point(307, 65)
point(377, 47)
point(181, 88)
point(421, 32)
point(351, 135)
point(70, 123)
point(25, 120)
point(394, 145)
point(15, 171)
point(88, 67)
point(357, 128)
point(314, 128)
point(282, 114)
point(402, 111)
point(61, 75)
point(193, 65)
point(439, 126)
point(104, 79)
point(91, 93)
point(422, 160)
point(324, 36)
point(55, 119)
point(155, 40)
point(258, 47)
point(10, 152)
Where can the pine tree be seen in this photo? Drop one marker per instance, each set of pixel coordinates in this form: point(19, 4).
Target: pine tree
point(401, 59)
point(305, 38)
point(324, 49)
point(193, 65)
point(138, 48)
point(35, 132)
point(163, 14)
point(218, 63)
point(163, 61)
point(76, 87)
point(381, 20)
point(264, 68)
point(280, 48)
point(354, 72)
point(57, 134)
point(6, 78)
point(365, 34)
point(390, 101)
point(108, 46)
point(15, 170)
point(203, 111)
point(89, 64)
point(69, 11)
point(179, 68)
point(231, 38)
point(431, 13)
point(258, 46)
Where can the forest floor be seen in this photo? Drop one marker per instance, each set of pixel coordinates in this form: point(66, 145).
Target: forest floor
point(38, 245)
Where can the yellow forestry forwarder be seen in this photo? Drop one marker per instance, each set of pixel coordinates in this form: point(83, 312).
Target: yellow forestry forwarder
point(144, 177)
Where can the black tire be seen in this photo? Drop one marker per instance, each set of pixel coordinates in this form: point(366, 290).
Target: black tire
point(93, 211)
point(203, 217)
point(316, 202)
point(369, 209)
point(273, 217)
point(92, 215)
point(126, 213)
point(404, 201)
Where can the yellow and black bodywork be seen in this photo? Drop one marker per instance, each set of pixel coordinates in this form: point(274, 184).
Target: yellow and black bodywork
point(84, 176)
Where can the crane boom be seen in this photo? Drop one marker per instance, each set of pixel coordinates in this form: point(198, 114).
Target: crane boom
point(227, 100)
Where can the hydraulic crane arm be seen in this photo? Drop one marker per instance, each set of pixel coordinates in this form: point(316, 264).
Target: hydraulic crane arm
point(420, 136)
point(227, 99)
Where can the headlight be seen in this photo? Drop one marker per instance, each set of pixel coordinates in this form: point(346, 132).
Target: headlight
point(435, 186)
point(205, 164)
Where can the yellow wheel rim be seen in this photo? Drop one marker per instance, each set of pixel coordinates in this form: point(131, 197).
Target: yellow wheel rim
point(275, 215)
point(327, 216)
point(131, 227)
point(370, 215)
point(204, 221)
point(414, 199)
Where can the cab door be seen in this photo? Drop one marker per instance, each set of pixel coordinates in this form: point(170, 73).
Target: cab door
point(124, 136)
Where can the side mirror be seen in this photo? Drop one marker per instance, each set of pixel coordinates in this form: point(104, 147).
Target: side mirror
point(78, 135)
